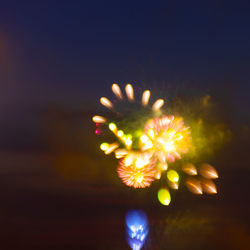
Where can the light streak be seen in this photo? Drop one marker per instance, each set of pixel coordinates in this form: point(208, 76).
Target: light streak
point(194, 185)
point(158, 104)
point(164, 196)
point(189, 168)
point(111, 148)
point(106, 102)
point(173, 176)
point(209, 186)
point(208, 171)
point(145, 98)
point(130, 92)
point(99, 119)
point(117, 91)
point(136, 228)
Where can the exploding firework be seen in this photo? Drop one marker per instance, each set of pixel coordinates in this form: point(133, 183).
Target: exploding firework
point(149, 143)
point(168, 137)
point(137, 170)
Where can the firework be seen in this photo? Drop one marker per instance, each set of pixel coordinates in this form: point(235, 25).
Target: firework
point(148, 148)
point(137, 170)
point(168, 137)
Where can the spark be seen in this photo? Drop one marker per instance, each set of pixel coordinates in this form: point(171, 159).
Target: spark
point(208, 172)
point(158, 104)
point(106, 102)
point(209, 186)
point(112, 127)
point(173, 176)
point(164, 196)
point(111, 148)
point(117, 91)
point(194, 185)
point(104, 146)
point(145, 98)
point(189, 168)
point(99, 119)
point(130, 92)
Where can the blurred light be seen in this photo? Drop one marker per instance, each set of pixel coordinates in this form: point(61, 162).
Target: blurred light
point(151, 133)
point(97, 131)
point(144, 138)
point(145, 97)
point(158, 175)
point(173, 176)
point(164, 166)
point(128, 142)
point(148, 145)
point(137, 173)
point(130, 92)
point(120, 133)
point(209, 186)
point(116, 90)
point(120, 153)
point(164, 196)
point(173, 185)
point(189, 168)
point(111, 148)
point(98, 119)
point(194, 185)
point(136, 228)
point(112, 126)
point(104, 146)
point(208, 171)
point(106, 102)
point(158, 104)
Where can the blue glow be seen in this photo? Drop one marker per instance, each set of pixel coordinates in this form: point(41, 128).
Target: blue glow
point(137, 228)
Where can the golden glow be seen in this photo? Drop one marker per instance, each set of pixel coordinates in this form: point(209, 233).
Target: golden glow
point(151, 133)
point(208, 171)
point(112, 126)
point(173, 185)
point(106, 102)
point(104, 146)
point(148, 145)
point(99, 119)
point(144, 138)
point(158, 175)
point(116, 90)
point(145, 98)
point(194, 185)
point(164, 196)
point(137, 169)
point(128, 142)
point(209, 186)
point(164, 166)
point(120, 153)
point(169, 137)
point(158, 104)
point(120, 133)
point(130, 92)
point(189, 168)
point(111, 148)
point(173, 176)
point(169, 146)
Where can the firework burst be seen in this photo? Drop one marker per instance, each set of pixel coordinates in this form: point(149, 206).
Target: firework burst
point(137, 170)
point(148, 148)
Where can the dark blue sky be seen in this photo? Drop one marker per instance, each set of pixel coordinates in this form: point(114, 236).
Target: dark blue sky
point(69, 53)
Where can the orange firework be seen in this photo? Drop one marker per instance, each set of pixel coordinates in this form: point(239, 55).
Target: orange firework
point(137, 170)
point(168, 136)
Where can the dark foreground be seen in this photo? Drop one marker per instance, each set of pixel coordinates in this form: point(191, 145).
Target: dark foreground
point(41, 209)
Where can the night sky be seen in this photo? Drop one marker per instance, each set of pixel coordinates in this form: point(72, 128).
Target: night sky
point(57, 58)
